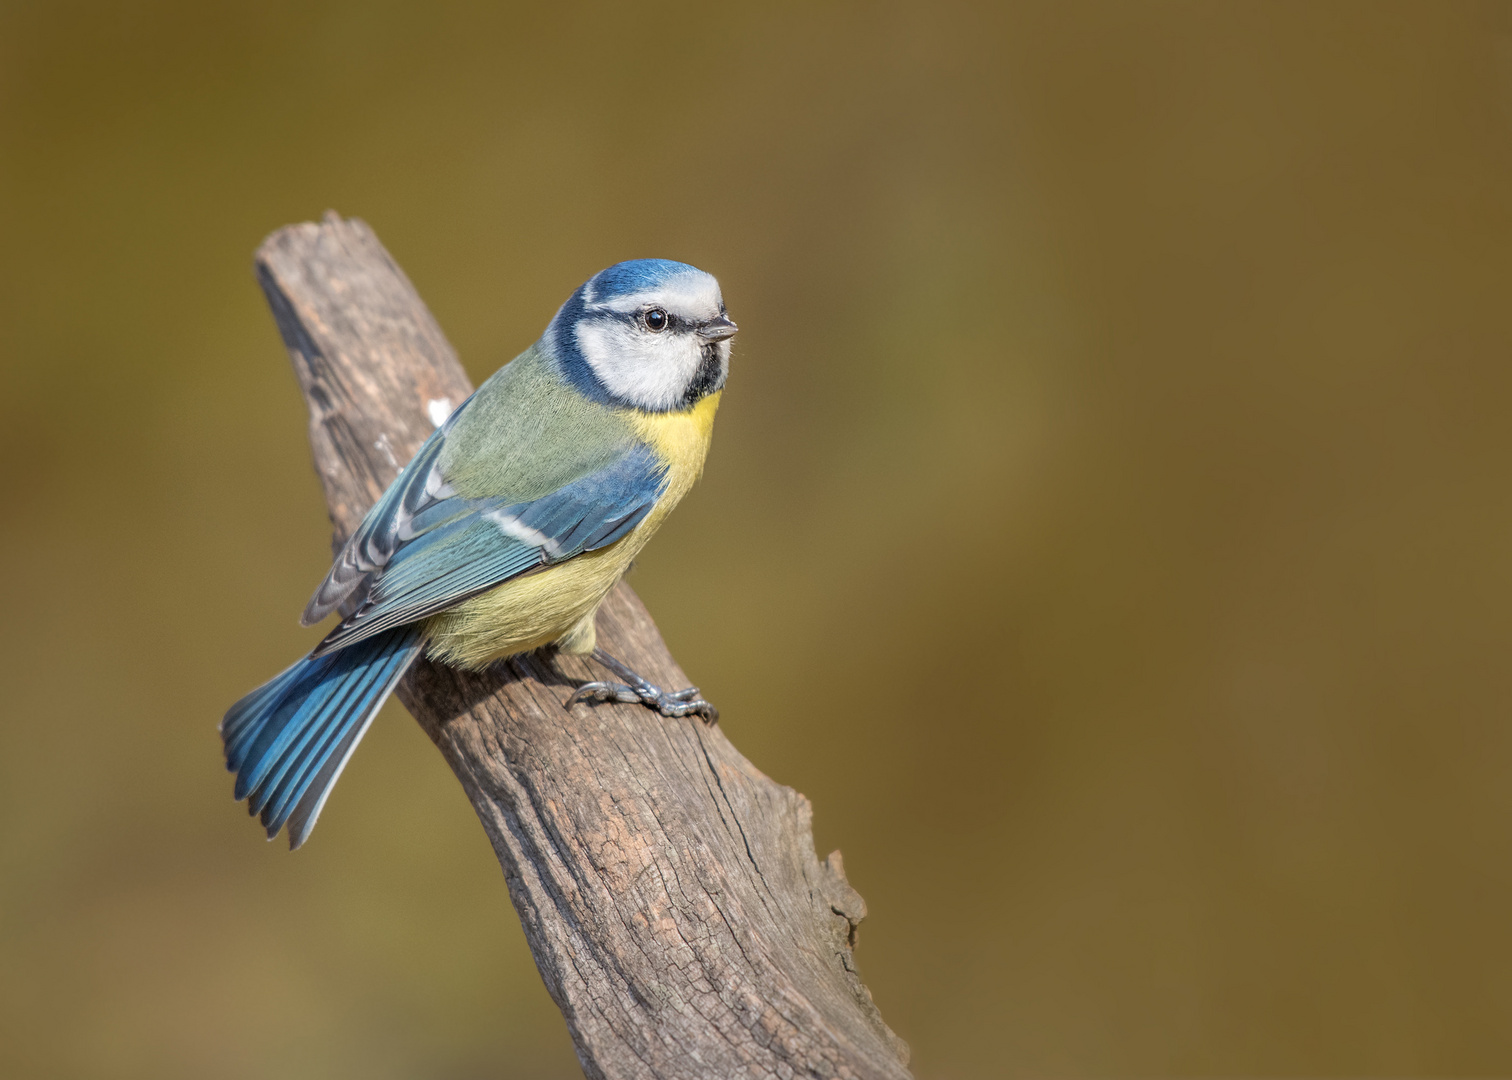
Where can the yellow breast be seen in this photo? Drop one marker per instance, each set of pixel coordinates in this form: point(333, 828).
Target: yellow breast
point(559, 602)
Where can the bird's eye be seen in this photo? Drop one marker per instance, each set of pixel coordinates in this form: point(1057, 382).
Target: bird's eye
point(655, 320)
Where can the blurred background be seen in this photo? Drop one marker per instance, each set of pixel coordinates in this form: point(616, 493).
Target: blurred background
point(1108, 523)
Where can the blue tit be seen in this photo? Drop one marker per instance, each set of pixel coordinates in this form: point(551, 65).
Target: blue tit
point(506, 530)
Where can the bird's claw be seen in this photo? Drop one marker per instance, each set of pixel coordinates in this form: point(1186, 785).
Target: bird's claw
point(667, 702)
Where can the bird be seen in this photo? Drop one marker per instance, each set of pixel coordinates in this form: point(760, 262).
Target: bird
point(505, 531)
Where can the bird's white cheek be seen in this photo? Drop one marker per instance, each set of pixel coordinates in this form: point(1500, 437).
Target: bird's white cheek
point(652, 372)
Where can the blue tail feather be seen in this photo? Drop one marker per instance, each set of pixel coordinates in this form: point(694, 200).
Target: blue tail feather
point(321, 691)
point(299, 764)
point(288, 740)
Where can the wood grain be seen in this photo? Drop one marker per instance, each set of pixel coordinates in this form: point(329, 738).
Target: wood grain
point(668, 889)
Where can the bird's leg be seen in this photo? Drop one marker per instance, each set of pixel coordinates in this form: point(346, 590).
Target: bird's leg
point(637, 689)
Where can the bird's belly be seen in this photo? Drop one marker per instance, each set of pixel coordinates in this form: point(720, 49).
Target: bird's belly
point(530, 611)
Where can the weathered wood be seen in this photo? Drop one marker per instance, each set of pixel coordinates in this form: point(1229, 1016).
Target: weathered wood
point(669, 891)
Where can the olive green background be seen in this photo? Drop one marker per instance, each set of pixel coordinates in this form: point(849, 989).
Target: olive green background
point(1107, 525)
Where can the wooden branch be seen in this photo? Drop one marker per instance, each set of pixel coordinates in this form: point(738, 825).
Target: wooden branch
point(669, 891)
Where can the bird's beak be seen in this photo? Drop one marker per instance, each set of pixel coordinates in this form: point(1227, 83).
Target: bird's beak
point(717, 329)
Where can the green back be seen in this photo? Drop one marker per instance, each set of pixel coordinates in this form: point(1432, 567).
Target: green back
point(527, 433)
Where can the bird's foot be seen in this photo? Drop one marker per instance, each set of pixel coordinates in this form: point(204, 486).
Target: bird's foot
point(637, 690)
point(667, 702)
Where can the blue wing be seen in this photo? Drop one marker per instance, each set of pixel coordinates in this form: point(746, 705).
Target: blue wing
point(420, 486)
point(434, 549)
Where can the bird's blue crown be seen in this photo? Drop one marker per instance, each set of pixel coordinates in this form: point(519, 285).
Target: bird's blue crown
point(636, 276)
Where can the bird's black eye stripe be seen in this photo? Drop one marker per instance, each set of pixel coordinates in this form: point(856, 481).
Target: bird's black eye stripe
point(656, 320)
